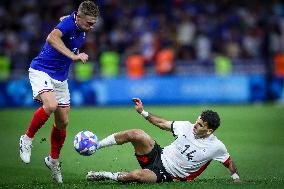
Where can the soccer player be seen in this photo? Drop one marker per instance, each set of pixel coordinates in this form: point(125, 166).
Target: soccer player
point(48, 74)
point(184, 159)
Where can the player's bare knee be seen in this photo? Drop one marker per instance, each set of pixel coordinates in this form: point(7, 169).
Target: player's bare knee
point(64, 123)
point(51, 106)
point(135, 134)
point(136, 175)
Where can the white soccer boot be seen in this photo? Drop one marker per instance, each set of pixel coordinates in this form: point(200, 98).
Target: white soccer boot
point(54, 166)
point(25, 148)
point(102, 175)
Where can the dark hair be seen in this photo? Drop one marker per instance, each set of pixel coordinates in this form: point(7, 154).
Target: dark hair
point(212, 118)
point(89, 8)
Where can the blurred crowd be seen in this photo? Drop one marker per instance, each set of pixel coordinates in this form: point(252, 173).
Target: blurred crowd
point(192, 30)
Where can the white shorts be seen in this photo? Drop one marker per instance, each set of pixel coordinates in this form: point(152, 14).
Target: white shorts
point(41, 82)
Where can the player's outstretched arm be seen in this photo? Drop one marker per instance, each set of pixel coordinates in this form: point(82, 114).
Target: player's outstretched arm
point(233, 171)
point(54, 39)
point(155, 120)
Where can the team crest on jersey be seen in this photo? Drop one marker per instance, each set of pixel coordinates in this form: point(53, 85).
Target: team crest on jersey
point(75, 50)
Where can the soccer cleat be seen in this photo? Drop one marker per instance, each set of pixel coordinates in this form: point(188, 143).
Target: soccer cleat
point(25, 149)
point(54, 166)
point(97, 176)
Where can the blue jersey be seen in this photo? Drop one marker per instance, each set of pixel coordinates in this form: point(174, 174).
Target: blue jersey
point(51, 61)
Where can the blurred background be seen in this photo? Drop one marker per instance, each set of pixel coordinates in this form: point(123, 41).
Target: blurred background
point(226, 54)
point(165, 52)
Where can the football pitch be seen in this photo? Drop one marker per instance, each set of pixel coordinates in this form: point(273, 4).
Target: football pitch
point(253, 135)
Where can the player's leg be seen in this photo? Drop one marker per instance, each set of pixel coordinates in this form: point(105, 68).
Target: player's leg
point(43, 113)
point(58, 133)
point(142, 142)
point(138, 175)
point(39, 118)
point(42, 87)
point(57, 138)
point(42, 91)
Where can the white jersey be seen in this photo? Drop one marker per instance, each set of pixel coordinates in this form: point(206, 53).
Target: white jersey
point(188, 156)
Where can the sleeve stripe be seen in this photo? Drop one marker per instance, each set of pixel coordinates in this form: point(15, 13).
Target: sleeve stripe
point(227, 161)
point(172, 128)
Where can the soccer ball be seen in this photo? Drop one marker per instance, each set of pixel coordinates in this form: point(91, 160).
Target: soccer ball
point(86, 143)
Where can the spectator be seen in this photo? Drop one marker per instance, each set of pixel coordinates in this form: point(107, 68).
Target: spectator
point(196, 29)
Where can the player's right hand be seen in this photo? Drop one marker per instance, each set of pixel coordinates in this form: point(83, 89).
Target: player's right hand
point(81, 56)
point(138, 104)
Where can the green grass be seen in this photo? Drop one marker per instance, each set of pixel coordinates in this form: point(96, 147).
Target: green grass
point(253, 136)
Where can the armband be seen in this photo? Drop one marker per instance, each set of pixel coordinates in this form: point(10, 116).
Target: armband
point(144, 114)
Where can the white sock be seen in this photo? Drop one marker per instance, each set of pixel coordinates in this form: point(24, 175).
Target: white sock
point(53, 160)
point(28, 138)
point(108, 141)
point(110, 175)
